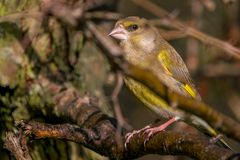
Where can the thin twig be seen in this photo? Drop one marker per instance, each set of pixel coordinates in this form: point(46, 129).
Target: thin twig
point(221, 70)
point(117, 108)
point(102, 15)
point(160, 12)
point(114, 97)
point(13, 17)
point(171, 35)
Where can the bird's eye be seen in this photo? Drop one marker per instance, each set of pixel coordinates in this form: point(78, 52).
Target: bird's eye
point(133, 27)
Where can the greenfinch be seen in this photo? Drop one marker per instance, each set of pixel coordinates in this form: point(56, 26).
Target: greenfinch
point(144, 47)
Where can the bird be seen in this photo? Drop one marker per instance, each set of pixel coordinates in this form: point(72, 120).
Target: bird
point(144, 47)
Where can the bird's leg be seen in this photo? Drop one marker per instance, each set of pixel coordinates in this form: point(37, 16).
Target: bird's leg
point(151, 131)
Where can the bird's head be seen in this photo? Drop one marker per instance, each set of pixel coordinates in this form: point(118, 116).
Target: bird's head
point(129, 27)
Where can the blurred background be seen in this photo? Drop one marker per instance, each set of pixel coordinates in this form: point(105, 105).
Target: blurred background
point(35, 42)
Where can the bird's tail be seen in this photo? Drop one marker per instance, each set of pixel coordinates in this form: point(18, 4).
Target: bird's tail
point(224, 143)
point(208, 130)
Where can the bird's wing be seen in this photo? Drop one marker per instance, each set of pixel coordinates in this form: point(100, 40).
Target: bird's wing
point(175, 67)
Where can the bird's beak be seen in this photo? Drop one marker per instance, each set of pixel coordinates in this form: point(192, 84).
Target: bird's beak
point(119, 32)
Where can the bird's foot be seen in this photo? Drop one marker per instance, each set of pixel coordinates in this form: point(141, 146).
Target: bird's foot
point(152, 131)
point(129, 136)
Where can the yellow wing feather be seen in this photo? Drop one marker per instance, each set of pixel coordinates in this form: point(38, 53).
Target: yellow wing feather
point(190, 90)
point(165, 61)
point(175, 67)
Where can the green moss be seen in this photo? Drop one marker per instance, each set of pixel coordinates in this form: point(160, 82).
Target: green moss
point(9, 31)
point(3, 9)
point(12, 6)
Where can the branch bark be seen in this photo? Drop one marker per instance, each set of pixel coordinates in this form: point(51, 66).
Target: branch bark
point(17, 146)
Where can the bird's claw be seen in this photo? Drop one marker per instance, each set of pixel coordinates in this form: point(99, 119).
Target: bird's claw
point(129, 136)
point(151, 132)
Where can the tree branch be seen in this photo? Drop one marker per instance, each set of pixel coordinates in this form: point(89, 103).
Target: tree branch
point(163, 143)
